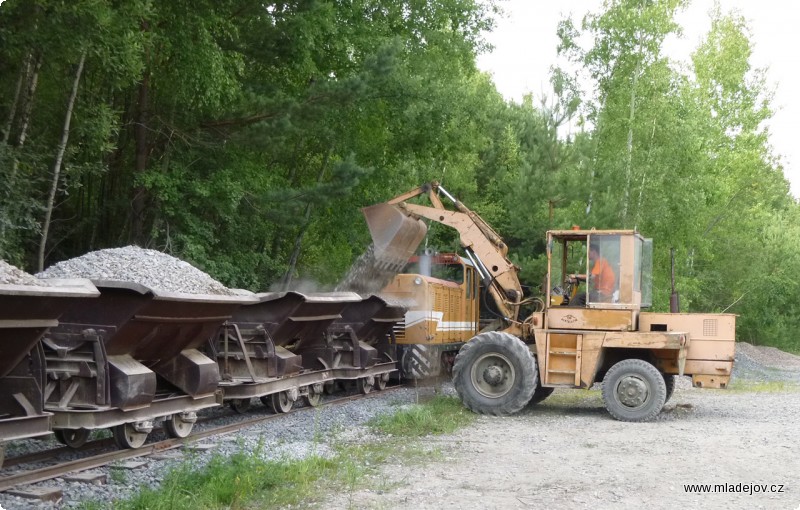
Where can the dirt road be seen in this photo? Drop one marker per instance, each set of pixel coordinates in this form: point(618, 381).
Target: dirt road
point(568, 453)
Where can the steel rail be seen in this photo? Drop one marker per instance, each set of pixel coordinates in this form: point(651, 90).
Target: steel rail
point(59, 470)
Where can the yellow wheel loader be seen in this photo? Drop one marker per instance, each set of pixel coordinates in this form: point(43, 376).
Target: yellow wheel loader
point(573, 338)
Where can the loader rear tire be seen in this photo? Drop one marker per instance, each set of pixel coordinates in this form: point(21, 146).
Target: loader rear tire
point(634, 390)
point(495, 373)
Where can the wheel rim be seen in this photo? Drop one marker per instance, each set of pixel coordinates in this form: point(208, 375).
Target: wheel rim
point(179, 428)
point(240, 405)
point(632, 391)
point(382, 381)
point(493, 375)
point(281, 402)
point(365, 384)
point(74, 438)
point(314, 397)
point(127, 436)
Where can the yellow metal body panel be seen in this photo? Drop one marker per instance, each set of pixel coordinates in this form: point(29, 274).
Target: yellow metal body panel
point(590, 319)
point(710, 356)
point(438, 311)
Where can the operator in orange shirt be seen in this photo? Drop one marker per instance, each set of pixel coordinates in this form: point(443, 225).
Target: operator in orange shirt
point(602, 279)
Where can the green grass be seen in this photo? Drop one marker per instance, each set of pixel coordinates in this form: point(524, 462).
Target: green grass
point(440, 415)
point(745, 386)
point(572, 397)
point(246, 480)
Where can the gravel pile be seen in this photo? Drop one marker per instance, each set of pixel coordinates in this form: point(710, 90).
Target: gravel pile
point(10, 275)
point(150, 268)
point(765, 364)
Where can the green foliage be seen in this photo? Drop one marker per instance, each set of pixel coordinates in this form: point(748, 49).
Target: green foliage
point(684, 158)
point(245, 139)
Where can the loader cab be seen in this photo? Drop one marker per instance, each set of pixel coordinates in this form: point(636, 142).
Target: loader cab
point(604, 269)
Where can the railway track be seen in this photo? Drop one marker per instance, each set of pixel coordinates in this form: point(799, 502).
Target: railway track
point(105, 458)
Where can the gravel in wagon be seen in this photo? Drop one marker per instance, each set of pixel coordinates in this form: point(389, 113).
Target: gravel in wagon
point(150, 268)
point(11, 275)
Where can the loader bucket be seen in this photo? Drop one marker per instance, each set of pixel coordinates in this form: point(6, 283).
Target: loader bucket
point(395, 235)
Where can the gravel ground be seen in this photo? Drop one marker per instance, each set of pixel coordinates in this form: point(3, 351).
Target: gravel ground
point(566, 452)
point(150, 268)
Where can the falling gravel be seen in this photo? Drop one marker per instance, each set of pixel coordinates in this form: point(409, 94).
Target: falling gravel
point(10, 275)
point(367, 275)
point(150, 268)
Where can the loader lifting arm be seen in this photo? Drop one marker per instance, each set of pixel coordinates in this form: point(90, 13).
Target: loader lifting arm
point(484, 247)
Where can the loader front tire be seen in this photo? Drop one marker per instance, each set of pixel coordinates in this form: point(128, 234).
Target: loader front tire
point(540, 394)
point(634, 390)
point(495, 373)
point(669, 383)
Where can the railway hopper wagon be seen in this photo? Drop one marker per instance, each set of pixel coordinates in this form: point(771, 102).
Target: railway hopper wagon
point(26, 313)
point(130, 358)
point(290, 345)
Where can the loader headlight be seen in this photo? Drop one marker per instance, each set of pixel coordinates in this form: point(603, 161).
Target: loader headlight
point(418, 281)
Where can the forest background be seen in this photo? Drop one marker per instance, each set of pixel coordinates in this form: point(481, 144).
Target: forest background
point(244, 136)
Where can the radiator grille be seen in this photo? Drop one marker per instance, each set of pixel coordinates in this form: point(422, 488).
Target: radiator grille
point(399, 330)
point(709, 327)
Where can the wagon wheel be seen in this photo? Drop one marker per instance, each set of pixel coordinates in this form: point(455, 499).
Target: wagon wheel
point(314, 396)
point(74, 438)
point(126, 436)
point(281, 403)
point(365, 384)
point(381, 381)
point(240, 405)
point(178, 427)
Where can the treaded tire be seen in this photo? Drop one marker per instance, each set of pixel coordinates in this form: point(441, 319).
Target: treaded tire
point(669, 382)
point(495, 373)
point(540, 394)
point(634, 390)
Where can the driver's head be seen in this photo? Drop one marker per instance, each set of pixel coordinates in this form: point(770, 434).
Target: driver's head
point(594, 251)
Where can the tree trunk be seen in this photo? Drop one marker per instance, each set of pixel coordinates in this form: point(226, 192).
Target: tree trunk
point(62, 147)
point(140, 128)
point(27, 107)
point(33, 81)
point(629, 155)
point(644, 175)
point(12, 112)
point(139, 201)
point(298, 242)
